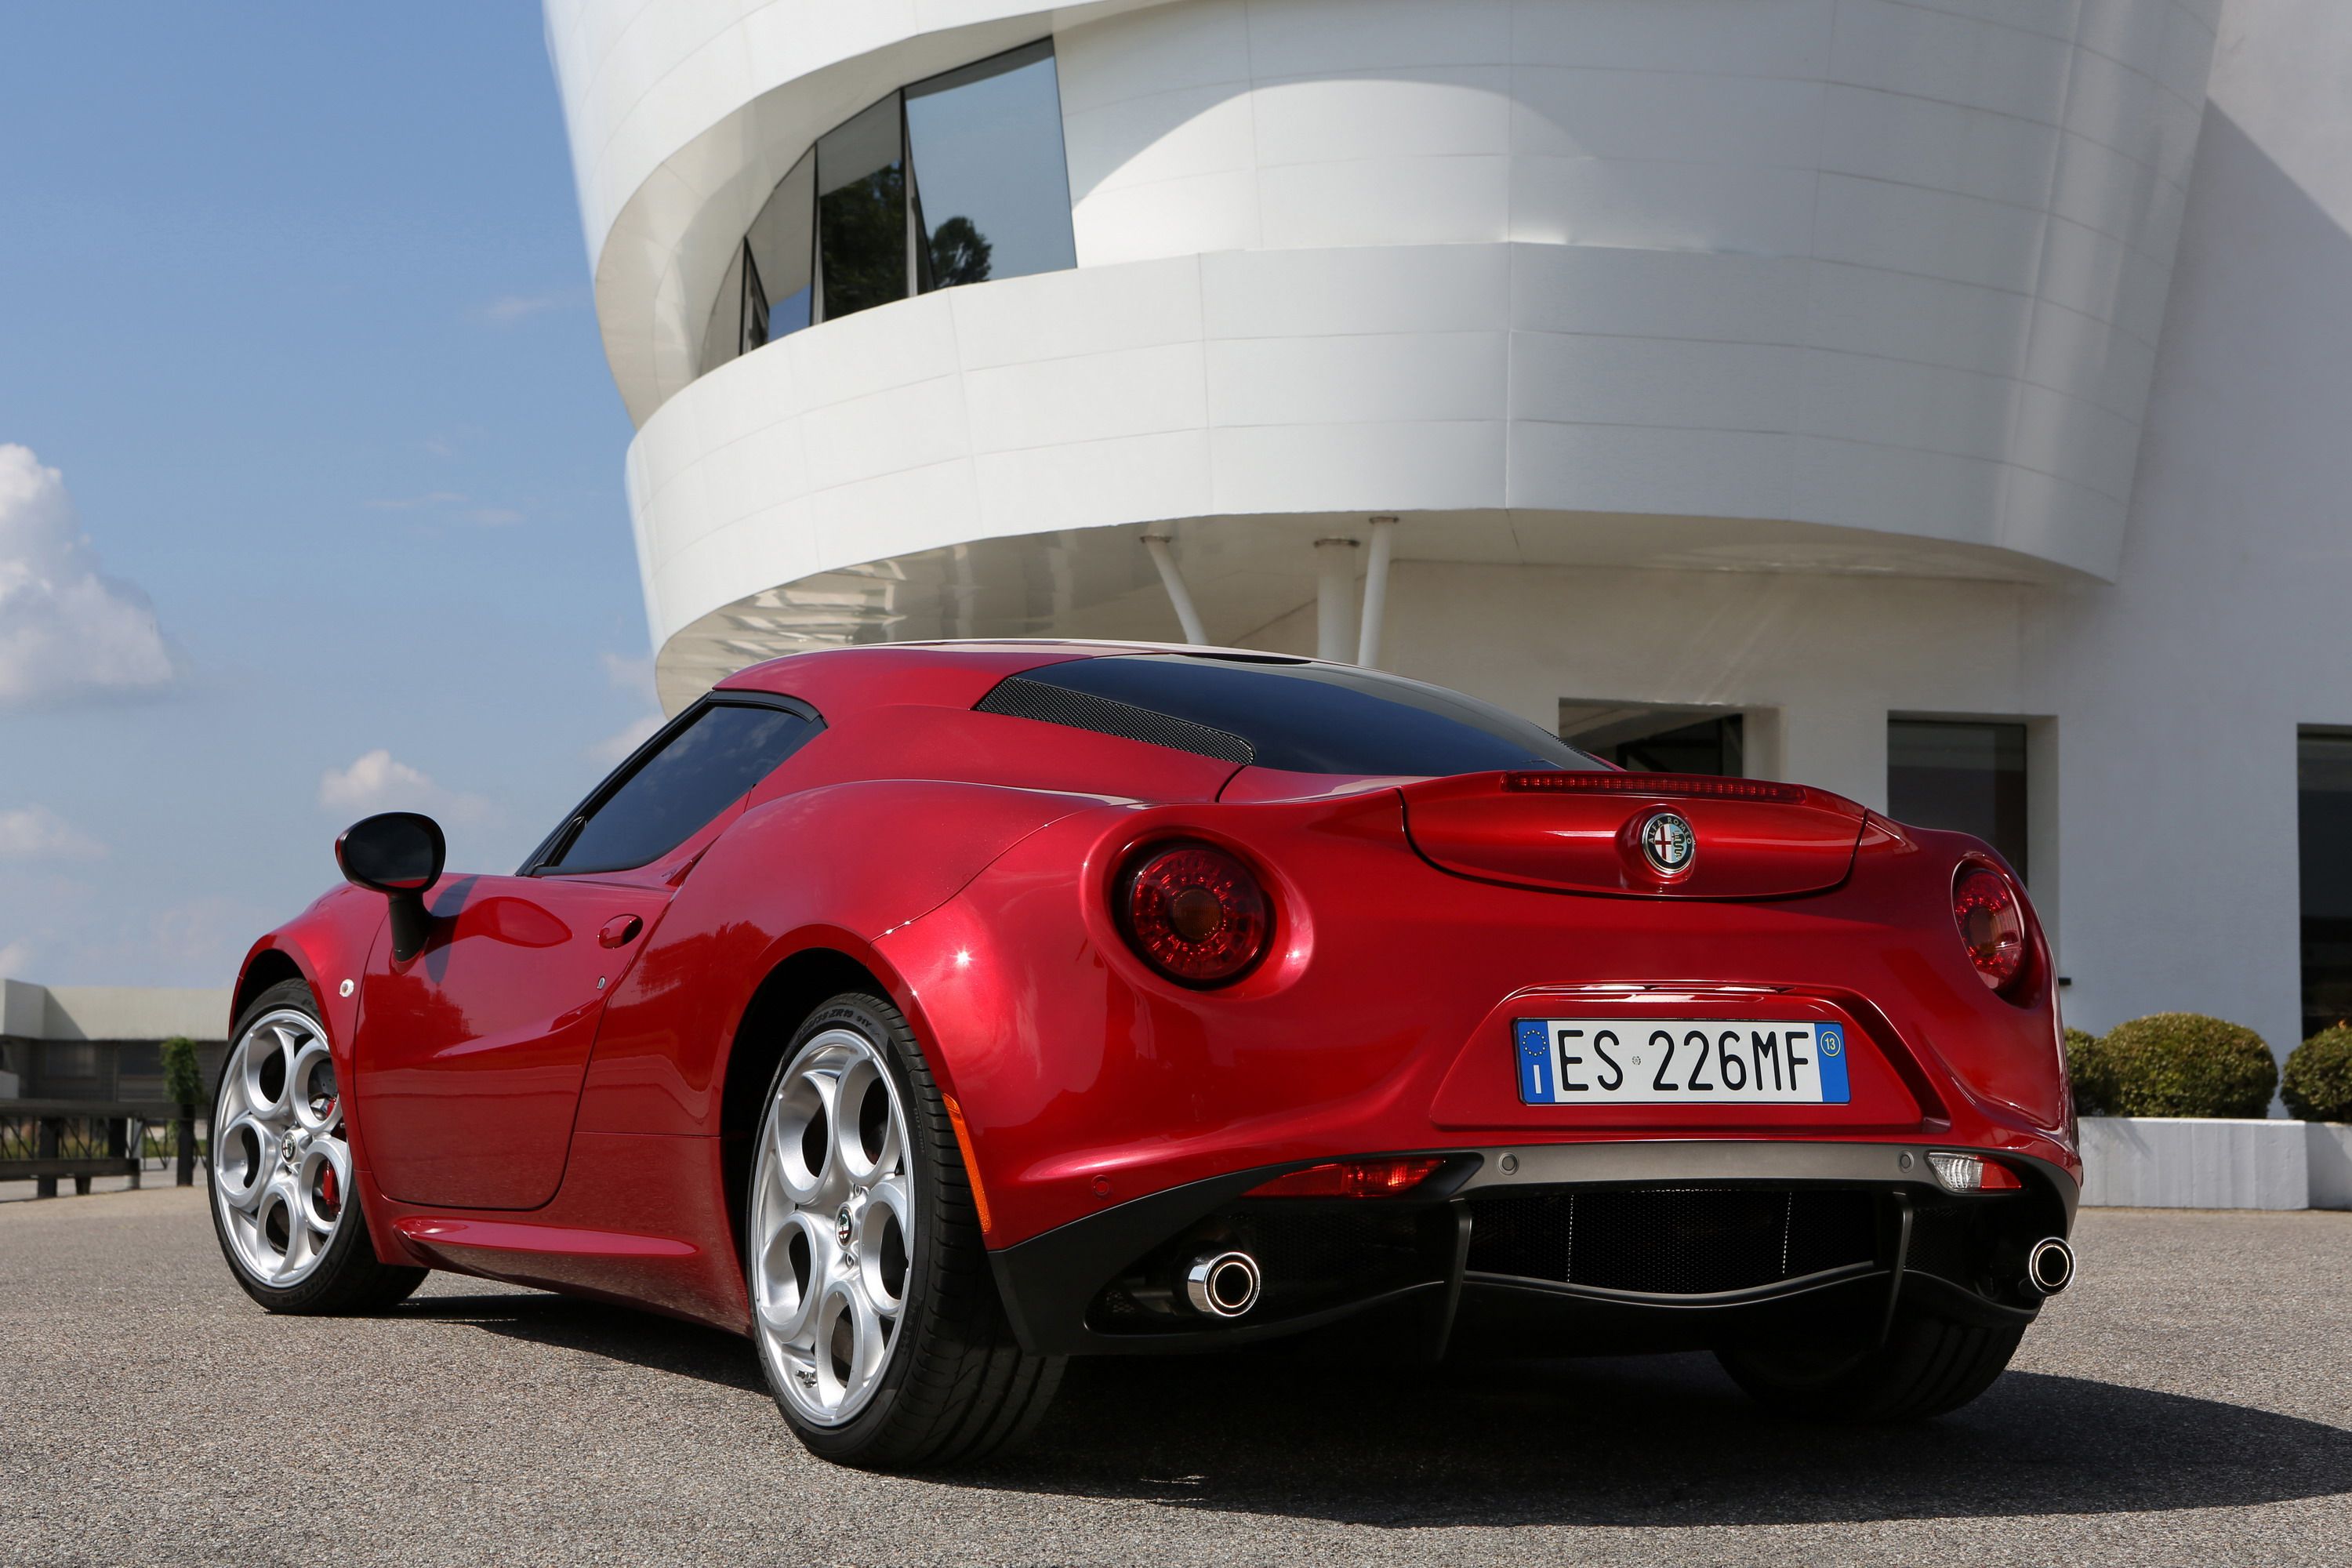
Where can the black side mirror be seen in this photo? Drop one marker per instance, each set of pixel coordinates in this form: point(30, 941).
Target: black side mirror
point(399, 855)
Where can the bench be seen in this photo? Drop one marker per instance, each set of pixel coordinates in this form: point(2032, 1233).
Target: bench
point(43, 1139)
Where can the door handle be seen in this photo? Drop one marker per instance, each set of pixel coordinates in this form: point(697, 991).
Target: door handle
point(620, 930)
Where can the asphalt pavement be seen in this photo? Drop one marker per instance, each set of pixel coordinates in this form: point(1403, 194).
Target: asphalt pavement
point(2189, 1402)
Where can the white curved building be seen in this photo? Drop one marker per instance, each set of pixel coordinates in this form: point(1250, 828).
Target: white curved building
point(1861, 391)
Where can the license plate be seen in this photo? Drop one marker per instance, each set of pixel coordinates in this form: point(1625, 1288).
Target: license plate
point(1681, 1061)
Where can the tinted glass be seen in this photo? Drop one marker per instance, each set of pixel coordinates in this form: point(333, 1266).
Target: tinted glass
point(2323, 841)
point(781, 250)
point(991, 181)
point(1710, 746)
point(1322, 719)
point(861, 217)
point(704, 769)
point(1962, 776)
point(722, 338)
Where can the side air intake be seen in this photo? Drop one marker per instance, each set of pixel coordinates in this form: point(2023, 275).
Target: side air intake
point(1017, 698)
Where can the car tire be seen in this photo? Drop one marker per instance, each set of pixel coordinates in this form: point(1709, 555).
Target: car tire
point(953, 1385)
point(1929, 1365)
point(343, 1276)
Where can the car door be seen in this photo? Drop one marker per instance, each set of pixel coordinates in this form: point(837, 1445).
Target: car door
point(471, 1053)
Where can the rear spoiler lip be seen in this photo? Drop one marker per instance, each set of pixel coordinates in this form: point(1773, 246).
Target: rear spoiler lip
point(1634, 790)
point(1636, 786)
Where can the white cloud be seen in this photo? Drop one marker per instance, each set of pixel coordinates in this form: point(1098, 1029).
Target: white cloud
point(613, 749)
point(508, 309)
point(15, 958)
point(377, 782)
point(35, 832)
point(66, 632)
point(633, 678)
point(453, 503)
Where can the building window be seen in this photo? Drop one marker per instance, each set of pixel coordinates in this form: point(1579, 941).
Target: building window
point(991, 186)
point(959, 178)
point(1963, 775)
point(861, 213)
point(1658, 740)
point(2324, 845)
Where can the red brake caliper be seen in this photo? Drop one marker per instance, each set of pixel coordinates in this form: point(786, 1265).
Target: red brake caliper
point(328, 1191)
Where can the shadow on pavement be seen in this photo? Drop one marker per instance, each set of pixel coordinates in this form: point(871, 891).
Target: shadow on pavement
point(619, 1333)
point(1657, 1440)
point(1660, 1440)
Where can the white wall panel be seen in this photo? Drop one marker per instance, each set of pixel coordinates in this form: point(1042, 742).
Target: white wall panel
point(1893, 267)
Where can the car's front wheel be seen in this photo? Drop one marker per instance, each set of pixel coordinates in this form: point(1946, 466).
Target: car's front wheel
point(1927, 1365)
point(876, 1318)
point(289, 1221)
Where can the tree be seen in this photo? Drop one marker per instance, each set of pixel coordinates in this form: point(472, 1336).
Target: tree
point(960, 252)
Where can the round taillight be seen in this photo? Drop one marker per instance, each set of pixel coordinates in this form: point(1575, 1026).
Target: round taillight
point(1196, 914)
point(1986, 908)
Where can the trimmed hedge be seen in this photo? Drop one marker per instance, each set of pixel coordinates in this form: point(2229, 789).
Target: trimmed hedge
point(2185, 1064)
point(184, 1081)
point(2087, 1070)
point(2318, 1082)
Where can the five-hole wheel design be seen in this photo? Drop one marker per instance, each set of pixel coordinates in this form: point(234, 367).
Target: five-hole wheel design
point(833, 1228)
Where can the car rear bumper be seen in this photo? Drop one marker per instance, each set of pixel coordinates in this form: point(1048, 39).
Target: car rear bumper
point(1572, 1247)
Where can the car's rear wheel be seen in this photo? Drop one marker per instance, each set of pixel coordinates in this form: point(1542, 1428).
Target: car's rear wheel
point(877, 1317)
point(284, 1207)
point(1929, 1365)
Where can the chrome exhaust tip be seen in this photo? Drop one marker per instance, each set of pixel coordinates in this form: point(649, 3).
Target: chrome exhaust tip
point(1222, 1284)
point(2049, 1267)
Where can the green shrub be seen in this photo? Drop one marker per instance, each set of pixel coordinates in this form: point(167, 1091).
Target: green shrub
point(184, 1081)
point(2318, 1082)
point(2087, 1069)
point(2185, 1064)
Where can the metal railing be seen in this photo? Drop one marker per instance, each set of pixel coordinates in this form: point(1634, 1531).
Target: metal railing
point(43, 1140)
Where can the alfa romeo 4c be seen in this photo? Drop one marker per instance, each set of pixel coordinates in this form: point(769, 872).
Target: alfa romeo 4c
point(933, 1014)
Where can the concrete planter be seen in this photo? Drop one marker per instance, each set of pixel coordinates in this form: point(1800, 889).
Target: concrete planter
point(2157, 1161)
point(2331, 1164)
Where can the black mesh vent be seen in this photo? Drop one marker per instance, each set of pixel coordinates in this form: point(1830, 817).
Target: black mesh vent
point(1677, 1241)
point(1020, 698)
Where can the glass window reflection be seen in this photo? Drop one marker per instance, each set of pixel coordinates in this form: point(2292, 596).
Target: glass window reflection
point(957, 179)
point(992, 185)
point(782, 252)
point(861, 214)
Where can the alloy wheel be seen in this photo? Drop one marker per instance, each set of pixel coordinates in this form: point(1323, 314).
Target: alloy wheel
point(281, 1166)
point(833, 1227)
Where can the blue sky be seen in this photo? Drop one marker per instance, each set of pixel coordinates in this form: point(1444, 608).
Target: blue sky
point(309, 466)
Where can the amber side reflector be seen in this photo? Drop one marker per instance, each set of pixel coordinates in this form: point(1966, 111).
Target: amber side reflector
point(971, 1165)
point(1352, 1179)
point(1689, 785)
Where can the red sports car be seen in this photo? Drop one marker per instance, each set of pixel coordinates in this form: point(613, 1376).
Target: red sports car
point(932, 1013)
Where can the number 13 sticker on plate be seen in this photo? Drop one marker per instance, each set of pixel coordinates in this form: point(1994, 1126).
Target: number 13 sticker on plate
point(1670, 1061)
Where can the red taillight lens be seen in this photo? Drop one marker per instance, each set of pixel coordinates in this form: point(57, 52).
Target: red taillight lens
point(1986, 908)
point(1196, 914)
point(1352, 1179)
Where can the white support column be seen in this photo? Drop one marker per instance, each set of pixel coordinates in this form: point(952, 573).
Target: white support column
point(1838, 745)
point(1179, 595)
point(1376, 591)
point(1334, 595)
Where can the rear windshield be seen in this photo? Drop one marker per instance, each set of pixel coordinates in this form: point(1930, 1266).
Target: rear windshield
point(1276, 713)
